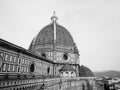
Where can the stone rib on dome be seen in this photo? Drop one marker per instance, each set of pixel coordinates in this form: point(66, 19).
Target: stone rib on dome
point(85, 72)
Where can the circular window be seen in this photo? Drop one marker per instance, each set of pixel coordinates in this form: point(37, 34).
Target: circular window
point(65, 56)
point(32, 67)
point(43, 55)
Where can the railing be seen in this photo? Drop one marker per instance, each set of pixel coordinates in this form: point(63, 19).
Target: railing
point(67, 83)
point(46, 84)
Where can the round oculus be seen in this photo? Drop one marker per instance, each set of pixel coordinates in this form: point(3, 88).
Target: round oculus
point(65, 56)
point(32, 67)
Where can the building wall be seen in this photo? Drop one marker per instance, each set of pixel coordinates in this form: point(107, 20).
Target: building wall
point(20, 69)
point(56, 53)
point(16, 63)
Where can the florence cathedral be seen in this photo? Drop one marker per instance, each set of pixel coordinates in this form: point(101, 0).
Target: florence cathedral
point(51, 63)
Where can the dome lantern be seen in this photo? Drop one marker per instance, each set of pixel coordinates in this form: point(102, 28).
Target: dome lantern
point(54, 18)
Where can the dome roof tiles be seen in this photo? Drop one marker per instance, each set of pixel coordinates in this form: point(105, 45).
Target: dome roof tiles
point(46, 36)
point(85, 72)
point(53, 37)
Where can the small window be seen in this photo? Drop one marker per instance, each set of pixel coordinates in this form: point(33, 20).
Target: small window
point(66, 72)
point(23, 61)
point(13, 69)
point(71, 72)
point(19, 61)
point(21, 69)
point(1, 61)
point(4, 67)
point(43, 55)
point(27, 62)
point(32, 67)
point(15, 59)
point(25, 69)
point(6, 57)
point(11, 57)
point(65, 56)
point(9, 66)
point(18, 69)
point(1, 55)
point(48, 70)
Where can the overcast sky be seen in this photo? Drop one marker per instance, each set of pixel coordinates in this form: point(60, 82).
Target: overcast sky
point(94, 25)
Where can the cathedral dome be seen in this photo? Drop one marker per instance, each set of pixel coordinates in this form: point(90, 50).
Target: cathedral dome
point(46, 36)
point(54, 37)
point(85, 72)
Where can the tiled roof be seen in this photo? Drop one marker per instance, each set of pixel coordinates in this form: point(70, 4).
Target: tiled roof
point(85, 72)
point(46, 36)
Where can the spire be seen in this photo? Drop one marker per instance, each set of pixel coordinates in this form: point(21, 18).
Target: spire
point(54, 18)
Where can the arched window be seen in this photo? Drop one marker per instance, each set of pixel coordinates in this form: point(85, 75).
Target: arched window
point(48, 70)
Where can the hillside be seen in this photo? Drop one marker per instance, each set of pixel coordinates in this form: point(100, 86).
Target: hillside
point(111, 73)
